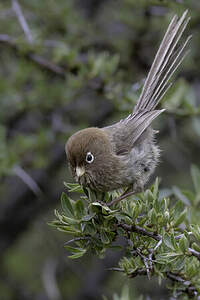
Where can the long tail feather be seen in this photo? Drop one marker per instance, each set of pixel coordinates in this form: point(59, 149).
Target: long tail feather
point(166, 61)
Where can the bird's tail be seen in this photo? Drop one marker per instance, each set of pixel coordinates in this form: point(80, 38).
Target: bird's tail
point(166, 61)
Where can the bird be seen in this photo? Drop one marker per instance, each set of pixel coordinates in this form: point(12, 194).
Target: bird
point(124, 155)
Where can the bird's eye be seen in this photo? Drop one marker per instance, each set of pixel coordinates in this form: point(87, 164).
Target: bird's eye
point(89, 157)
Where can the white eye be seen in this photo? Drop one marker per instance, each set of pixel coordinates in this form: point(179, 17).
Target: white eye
point(89, 158)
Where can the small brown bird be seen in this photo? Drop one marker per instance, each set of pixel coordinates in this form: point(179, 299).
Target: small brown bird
point(125, 154)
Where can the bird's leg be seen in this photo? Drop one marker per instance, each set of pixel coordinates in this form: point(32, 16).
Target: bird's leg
point(123, 196)
point(100, 196)
point(137, 188)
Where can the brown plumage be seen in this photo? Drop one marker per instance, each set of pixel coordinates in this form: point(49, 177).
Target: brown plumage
point(125, 154)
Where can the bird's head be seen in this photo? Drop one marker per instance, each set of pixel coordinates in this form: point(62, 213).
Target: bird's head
point(89, 153)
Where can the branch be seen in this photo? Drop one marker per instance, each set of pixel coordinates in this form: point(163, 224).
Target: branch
point(194, 253)
point(190, 290)
point(77, 239)
point(122, 197)
point(145, 259)
point(138, 272)
point(47, 64)
point(17, 9)
point(49, 280)
point(38, 59)
point(140, 230)
point(28, 180)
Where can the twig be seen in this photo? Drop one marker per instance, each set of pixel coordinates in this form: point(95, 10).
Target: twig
point(190, 289)
point(28, 180)
point(138, 272)
point(177, 278)
point(7, 39)
point(76, 240)
point(49, 280)
point(194, 253)
point(47, 64)
point(158, 245)
point(16, 7)
point(178, 237)
point(123, 196)
point(38, 59)
point(150, 260)
point(144, 258)
point(140, 230)
point(115, 269)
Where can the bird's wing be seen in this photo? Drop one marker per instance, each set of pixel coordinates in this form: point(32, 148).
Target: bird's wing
point(125, 133)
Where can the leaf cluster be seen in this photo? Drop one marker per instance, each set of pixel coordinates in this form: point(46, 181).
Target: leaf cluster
point(159, 237)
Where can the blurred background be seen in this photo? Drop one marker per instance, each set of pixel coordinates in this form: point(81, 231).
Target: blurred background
point(66, 65)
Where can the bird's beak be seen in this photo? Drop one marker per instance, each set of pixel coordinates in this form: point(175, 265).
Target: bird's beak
point(80, 171)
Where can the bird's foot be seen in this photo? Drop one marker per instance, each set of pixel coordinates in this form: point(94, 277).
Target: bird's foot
point(123, 196)
point(129, 192)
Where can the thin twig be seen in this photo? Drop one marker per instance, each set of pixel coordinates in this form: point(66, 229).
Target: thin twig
point(38, 59)
point(123, 196)
point(150, 260)
point(158, 245)
point(46, 64)
point(76, 240)
point(178, 237)
point(177, 278)
point(50, 281)
point(140, 230)
point(28, 180)
point(18, 11)
point(144, 258)
point(7, 39)
point(194, 253)
point(190, 289)
point(138, 272)
point(115, 269)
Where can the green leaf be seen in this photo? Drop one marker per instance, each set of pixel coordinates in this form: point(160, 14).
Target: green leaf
point(71, 221)
point(55, 223)
point(168, 241)
point(74, 187)
point(68, 229)
point(167, 257)
point(179, 263)
point(177, 209)
point(152, 216)
point(181, 218)
point(104, 237)
point(72, 249)
point(66, 205)
point(196, 231)
point(183, 244)
point(87, 218)
point(78, 254)
point(105, 209)
point(155, 188)
point(196, 247)
point(90, 229)
point(79, 208)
